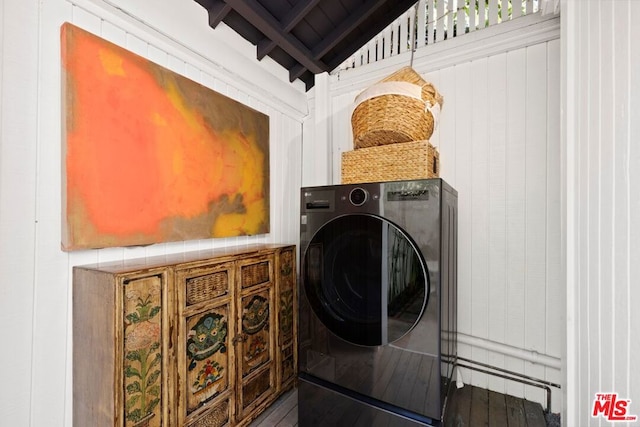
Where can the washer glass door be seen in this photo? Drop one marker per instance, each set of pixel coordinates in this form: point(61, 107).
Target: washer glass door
point(365, 279)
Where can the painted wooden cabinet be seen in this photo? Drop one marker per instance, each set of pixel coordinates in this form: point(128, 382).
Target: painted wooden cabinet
point(198, 339)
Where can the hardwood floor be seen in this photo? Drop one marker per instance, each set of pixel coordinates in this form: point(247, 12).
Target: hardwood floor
point(282, 413)
point(472, 406)
point(469, 407)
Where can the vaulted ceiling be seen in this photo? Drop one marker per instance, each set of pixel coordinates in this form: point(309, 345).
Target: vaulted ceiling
point(306, 37)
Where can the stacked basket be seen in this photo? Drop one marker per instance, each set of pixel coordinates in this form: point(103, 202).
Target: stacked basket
point(392, 123)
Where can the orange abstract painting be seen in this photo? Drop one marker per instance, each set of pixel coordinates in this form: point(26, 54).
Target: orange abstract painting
point(151, 156)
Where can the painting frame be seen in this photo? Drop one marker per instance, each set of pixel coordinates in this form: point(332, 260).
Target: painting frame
point(150, 156)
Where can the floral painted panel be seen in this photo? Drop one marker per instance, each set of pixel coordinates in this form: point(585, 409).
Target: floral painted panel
point(207, 357)
point(286, 315)
point(286, 283)
point(143, 352)
point(287, 264)
point(255, 330)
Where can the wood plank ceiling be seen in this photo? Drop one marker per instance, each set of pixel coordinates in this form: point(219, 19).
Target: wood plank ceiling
point(306, 37)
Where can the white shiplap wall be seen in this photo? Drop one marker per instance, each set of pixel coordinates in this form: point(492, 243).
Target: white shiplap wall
point(18, 123)
point(602, 99)
point(35, 364)
point(499, 143)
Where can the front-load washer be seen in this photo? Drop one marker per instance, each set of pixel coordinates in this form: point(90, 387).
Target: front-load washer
point(377, 315)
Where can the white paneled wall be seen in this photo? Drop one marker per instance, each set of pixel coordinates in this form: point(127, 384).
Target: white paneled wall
point(18, 122)
point(499, 143)
point(603, 204)
point(35, 376)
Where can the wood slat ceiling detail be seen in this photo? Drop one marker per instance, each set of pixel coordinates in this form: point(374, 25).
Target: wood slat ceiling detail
point(306, 37)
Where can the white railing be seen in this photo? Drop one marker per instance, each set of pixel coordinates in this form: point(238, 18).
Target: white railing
point(433, 21)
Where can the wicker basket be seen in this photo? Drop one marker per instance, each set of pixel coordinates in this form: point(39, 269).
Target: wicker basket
point(392, 162)
point(391, 118)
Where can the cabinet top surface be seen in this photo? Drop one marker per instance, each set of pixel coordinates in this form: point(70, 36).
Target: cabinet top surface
point(126, 265)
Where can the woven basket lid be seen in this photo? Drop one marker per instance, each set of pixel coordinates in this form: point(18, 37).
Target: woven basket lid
point(408, 74)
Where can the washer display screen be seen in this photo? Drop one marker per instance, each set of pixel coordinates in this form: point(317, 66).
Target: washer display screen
point(365, 279)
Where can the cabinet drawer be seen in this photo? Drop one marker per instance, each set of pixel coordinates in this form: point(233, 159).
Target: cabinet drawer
point(256, 271)
point(218, 416)
point(203, 284)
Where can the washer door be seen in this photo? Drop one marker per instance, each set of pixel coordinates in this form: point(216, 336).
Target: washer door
point(365, 279)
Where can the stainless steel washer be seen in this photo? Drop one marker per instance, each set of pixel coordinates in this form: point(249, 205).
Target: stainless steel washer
point(377, 303)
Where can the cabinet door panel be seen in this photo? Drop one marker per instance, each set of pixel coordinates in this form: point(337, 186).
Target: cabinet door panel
point(207, 357)
point(142, 303)
point(256, 387)
point(285, 316)
point(256, 344)
point(286, 281)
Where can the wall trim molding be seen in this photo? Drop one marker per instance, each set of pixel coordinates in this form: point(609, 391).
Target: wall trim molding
point(508, 350)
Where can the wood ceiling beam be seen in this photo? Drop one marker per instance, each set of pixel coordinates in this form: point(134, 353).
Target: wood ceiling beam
point(258, 16)
point(288, 23)
point(346, 27)
point(217, 9)
point(398, 8)
point(264, 48)
point(298, 13)
point(296, 71)
point(217, 13)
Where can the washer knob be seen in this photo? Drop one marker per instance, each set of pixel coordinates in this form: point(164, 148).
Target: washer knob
point(358, 196)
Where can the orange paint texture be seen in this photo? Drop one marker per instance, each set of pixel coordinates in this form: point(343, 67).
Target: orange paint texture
point(152, 156)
